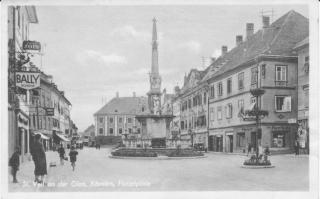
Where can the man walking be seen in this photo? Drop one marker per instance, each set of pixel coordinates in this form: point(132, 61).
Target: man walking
point(14, 162)
point(73, 157)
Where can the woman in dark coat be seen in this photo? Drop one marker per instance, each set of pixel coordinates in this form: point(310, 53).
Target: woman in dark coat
point(39, 158)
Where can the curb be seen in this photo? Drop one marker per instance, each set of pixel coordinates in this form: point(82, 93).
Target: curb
point(258, 167)
point(156, 158)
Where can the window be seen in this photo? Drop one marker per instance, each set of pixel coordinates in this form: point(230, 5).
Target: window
point(211, 114)
point(101, 119)
point(182, 125)
point(241, 81)
point(120, 119)
point(283, 103)
point(241, 106)
point(18, 10)
point(120, 130)
point(220, 91)
point(200, 99)
point(129, 120)
point(139, 130)
point(253, 100)
point(306, 64)
point(204, 98)
point(110, 131)
point(142, 109)
point(263, 71)
point(111, 119)
point(189, 103)
point(241, 139)
point(229, 110)
point(212, 91)
point(254, 75)
point(100, 131)
point(229, 85)
point(130, 130)
point(219, 113)
point(278, 139)
point(281, 75)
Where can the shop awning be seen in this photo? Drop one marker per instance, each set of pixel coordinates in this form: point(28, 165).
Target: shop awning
point(42, 135)
point(63, 138)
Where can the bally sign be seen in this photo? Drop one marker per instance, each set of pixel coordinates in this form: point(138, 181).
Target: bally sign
point(27, 80)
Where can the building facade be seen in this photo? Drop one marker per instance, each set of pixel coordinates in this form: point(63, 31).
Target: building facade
point(194, 109)
point(263, 61)
point(19, 20)
point(302, 50)
point(117, 118)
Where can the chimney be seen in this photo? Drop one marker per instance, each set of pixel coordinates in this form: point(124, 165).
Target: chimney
point(224, 50)
point(134, 94)
point(249, 30)
point(213, 59)
point(239, 39)
point(117, 94)
point(265, 21)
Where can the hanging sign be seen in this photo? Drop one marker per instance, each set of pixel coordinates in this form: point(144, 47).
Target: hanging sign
point(50, 111)
point(27, 80)
point(31, 45)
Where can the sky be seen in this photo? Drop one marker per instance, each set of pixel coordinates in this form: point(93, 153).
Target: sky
point(92, 52)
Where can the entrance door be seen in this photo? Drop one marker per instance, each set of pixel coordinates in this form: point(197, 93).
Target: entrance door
point(230, 143)
point(210, 142)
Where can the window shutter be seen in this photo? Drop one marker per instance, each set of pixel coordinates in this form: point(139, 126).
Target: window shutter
point(287, 102)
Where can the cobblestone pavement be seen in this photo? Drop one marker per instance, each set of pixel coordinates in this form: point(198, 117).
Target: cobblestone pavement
point(95, 171)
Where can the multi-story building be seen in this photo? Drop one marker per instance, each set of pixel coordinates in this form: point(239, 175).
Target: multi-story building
point(117, 118)
point(88, 136)
point(194, 105)
point(53, 128)
point(302, 49)
point(264, 60)
point(19, 20)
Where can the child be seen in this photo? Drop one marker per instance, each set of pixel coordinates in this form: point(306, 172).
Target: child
point(14, 162)
point(73, 157)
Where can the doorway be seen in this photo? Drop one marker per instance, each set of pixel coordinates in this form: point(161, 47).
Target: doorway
point(230, 143)
point(158, 142)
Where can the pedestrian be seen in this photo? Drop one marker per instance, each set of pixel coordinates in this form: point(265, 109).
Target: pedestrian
point(14, 162)
point(61, 152)
point(73, 157)
point(296, 147)
point(39, 158)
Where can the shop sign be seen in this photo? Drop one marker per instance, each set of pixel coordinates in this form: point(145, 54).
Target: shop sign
point(31, 45)
point(292, 120)
point(27, 80)
point(280, 128)
point(50, 111)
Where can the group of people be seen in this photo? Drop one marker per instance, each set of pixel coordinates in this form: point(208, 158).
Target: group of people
point(39, 158)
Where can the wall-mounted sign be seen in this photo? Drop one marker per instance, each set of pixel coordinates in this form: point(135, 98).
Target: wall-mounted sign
point(292, 120)
point(50, 111)
point(31, 45)
point(27, 80)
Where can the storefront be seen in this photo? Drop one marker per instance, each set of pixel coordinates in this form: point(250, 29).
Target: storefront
point(229, 141)
point(23, 135)
point(201, 139)
point(303, 135)
point(215, 141)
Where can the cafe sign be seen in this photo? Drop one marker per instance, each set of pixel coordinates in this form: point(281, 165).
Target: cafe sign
point(31, 45)
point(27, 80)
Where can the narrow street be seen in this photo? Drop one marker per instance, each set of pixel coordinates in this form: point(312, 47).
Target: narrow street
point(95, 171)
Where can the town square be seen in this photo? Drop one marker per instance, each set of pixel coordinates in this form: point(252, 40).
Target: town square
point(160, 98)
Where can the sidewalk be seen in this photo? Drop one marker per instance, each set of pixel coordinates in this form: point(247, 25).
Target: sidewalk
point(25, 174)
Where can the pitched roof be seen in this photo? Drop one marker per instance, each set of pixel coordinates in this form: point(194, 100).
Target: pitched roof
point(278, 39)
point(302, 43)
point(124, 105)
